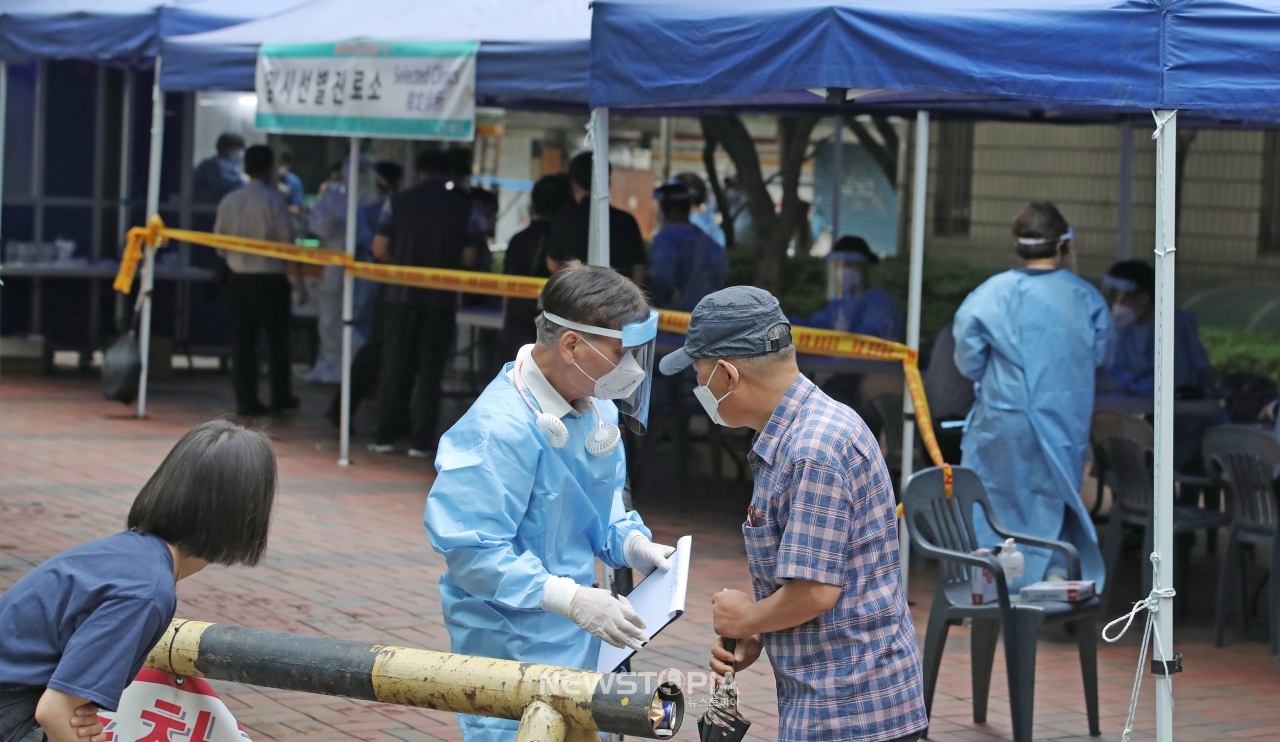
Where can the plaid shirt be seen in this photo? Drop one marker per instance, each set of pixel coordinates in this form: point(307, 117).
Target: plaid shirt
point(824, 511)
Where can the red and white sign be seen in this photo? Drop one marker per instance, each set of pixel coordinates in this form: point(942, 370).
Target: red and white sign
point(158, 707)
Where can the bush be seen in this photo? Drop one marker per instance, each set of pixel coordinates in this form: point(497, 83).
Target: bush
point(1241, 351)
point(946, 284)
point(804, 285)
point(804, 280)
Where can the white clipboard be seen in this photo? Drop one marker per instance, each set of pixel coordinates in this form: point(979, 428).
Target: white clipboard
point(659, 599)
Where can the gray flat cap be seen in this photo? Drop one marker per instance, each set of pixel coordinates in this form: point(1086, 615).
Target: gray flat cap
point(731, 323)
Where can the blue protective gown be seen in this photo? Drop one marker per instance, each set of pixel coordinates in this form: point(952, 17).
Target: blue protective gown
point(872, 312)
point(1032, 340)
point(684, 266)
point(1133, 368)
point(1133, 371)
point(507, 510)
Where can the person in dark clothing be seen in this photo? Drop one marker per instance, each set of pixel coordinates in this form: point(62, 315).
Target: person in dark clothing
point(686, 264)
point(217, 176)
point(527, 256)
point(570, 230)
point(482, 225)
point(424, 226)
point(259, 286)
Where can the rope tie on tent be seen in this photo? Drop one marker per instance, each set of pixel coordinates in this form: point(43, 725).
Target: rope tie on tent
point(1161, 121)
point(1150, 604)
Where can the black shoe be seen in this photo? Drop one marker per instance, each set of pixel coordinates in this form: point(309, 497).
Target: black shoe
point(257, 409)
point(289, 405)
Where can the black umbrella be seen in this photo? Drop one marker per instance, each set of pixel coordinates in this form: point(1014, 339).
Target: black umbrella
point(722, 722)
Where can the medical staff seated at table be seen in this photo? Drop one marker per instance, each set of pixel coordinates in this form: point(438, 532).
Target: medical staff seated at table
point(856, 306)
point(1130, 287)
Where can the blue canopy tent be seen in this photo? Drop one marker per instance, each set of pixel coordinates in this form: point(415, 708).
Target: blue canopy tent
point(1222, 54)
point(114, 30)
point(533, 55)
point(663, 52)
point(1215, 59)
point(122, 32)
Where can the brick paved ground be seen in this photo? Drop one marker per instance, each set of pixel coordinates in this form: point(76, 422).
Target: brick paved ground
point(349, 559)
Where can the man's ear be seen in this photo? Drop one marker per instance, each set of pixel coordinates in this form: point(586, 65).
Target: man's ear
point(568, 343)
point(731, 373)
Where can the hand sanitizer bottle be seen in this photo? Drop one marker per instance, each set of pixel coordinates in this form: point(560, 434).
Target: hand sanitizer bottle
point(1014, 563)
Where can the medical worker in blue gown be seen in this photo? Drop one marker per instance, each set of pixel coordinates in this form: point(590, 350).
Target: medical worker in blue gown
point(857, 306)
point(1032, 339)
point(529, 488)
point(1130, 286)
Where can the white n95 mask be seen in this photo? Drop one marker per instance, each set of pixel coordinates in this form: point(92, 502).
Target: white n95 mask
point(619, 383)
point(708, 399)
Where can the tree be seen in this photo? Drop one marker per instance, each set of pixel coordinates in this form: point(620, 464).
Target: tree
point(777, 227)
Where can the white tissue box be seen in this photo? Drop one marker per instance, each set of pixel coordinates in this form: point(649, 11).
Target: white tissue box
point(1058, 592)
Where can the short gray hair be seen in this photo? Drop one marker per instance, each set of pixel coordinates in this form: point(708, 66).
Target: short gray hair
point(756, 364)
point(591, 295)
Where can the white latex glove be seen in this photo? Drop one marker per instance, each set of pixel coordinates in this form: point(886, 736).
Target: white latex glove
point(597, 611)
point(645, 555)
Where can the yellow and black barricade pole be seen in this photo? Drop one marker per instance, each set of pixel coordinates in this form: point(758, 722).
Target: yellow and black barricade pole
point(807, 339)
point(553, 704)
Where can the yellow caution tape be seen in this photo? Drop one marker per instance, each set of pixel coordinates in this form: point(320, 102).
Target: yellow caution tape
point(807, 339)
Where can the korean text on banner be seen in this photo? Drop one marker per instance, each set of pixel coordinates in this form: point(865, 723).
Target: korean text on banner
point(413, 90)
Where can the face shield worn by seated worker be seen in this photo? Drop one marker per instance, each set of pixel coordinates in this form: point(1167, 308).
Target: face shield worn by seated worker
point(845, 271)
point(630, 384)
point(1118, 293)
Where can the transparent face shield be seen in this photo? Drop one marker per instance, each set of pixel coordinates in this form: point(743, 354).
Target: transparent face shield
point(639, 342)
point(845, 271)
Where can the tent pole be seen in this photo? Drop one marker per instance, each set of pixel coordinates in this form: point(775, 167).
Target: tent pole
point(1124, 246)
point(353, 204)
point(598, 245)
point(153, 208)
point(1166, 170)
point(126, 177)
point(4, 112)
point(837, 175)
point(408, 165)
point(919, 192)
point(665, 125)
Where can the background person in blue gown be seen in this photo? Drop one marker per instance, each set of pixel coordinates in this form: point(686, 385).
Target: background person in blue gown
point(685, 264)
point(1032, 339)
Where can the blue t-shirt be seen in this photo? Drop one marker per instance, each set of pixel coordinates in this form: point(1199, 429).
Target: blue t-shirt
point(84, 621)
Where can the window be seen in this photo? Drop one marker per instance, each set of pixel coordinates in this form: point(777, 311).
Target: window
point(953, 193)
point(1269, 214)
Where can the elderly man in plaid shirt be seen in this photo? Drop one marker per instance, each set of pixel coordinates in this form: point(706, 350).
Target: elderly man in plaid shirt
point(822, 540)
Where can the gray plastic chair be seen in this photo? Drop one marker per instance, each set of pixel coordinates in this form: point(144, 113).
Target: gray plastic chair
point(1245, 461)
point(1133, 462)
point(943, 529)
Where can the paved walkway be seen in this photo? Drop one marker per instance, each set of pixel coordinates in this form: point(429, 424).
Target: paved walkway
point(348, 559)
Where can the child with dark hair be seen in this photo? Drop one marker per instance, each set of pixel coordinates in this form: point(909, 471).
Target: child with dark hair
point(76, 630)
